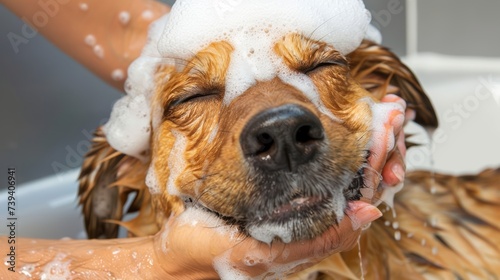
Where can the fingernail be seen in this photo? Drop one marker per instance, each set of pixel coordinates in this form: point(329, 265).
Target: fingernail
point(398, 172)
point(367, 214)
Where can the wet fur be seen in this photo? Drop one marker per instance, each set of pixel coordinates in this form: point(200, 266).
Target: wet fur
point(217, 177)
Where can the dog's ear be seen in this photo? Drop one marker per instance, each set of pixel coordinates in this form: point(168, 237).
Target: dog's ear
point(381, 72)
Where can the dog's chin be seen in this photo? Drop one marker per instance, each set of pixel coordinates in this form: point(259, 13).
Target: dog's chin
point(302, 219)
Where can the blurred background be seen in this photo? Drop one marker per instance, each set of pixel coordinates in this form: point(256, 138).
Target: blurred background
point(50, 105)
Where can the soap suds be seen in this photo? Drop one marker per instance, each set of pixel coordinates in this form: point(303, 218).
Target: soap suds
point(252, 27)
point(176, 162)
point(83, 7)
point(56, 269)
point(99, 51)
point(90, 40)
point(152, 181)
point(124, 17)
point(118, 75)
point(147, 15)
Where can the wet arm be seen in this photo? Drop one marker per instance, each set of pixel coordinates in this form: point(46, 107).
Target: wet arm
point(104, 36)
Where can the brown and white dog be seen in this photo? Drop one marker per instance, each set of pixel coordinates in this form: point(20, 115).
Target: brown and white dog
point(272, 147)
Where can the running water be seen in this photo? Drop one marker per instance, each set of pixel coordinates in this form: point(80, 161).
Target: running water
point(360, 255)
point(430, 134)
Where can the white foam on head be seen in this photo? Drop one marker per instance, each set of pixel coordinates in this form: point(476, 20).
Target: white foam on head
point(252, 27)
point(341, 23)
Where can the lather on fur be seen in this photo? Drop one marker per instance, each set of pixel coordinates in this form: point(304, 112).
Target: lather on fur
point(452, 234)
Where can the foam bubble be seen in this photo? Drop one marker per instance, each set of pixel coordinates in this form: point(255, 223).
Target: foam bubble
point(128, 129)
point(124, 17)
point(267, 232)
point(27, 270)
point(90, 40)
point(56, 269)
point(152, 181)
point(147, 15)
point(341, 23)
point(83, 7)
point(176, 162)
point(118, 75)
point(99, 51)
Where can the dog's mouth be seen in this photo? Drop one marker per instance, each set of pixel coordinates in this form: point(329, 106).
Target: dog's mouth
point(299, 216)
point(296, 207)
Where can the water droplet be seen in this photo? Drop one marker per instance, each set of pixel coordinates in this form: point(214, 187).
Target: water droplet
point(134, 255)
point(90, 40)
point(387, 223)
point(116, 251)
point(118, 75)
point(124, 17)
point(397, 235)
point(395, 225)
point(423, 242)
point(434, 251)
point(433, 221)
point(83, 6)
point(147, 15)
point(99, 51)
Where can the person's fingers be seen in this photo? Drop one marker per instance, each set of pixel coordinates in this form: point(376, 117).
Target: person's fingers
point(394, 170)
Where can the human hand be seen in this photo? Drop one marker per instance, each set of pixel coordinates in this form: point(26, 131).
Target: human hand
point(386, 172)
point(198, 245)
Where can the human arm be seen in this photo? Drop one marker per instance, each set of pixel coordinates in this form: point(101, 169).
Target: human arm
point(104, 36)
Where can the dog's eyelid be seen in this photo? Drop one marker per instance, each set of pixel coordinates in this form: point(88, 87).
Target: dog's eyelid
point(192, 96)
point(340, 61)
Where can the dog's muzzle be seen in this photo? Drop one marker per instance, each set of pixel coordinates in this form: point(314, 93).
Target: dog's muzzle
point(282, 138)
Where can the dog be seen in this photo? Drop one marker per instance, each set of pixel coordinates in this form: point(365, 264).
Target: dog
point(271, 155)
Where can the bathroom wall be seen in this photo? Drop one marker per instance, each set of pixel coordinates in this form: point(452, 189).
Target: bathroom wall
point(459, 27)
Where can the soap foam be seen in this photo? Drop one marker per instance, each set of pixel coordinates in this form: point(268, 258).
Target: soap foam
point(176, 162)
point(57, 269)
point(252, 27)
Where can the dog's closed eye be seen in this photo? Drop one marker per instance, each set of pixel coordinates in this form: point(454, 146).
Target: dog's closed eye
point(194, 97)
point(324, 64)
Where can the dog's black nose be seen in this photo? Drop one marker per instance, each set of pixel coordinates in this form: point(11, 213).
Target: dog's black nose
point(282, 138)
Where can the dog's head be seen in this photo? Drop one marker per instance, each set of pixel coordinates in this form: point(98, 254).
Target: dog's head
point(279, 156)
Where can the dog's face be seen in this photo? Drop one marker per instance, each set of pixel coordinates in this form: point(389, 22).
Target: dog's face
point(271, 158)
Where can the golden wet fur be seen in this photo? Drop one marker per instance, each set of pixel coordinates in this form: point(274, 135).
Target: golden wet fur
point(216, 175)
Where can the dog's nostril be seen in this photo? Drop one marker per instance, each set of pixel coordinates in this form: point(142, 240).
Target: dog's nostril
point(308, 133)
point(266, 141)
point(282, 138)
